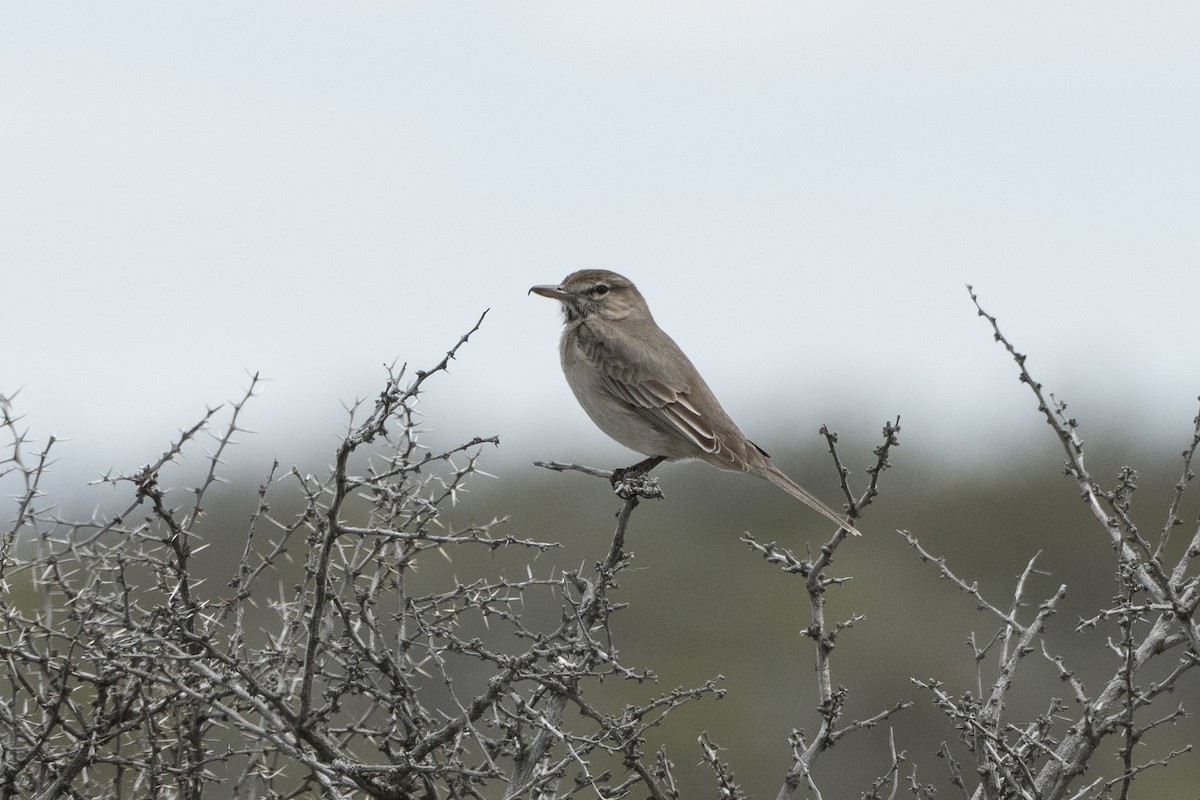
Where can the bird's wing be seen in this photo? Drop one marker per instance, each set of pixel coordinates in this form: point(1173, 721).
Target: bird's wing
point(668, 408)
point(661, 385)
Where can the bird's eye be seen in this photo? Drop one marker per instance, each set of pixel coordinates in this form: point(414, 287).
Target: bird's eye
point(600, 289)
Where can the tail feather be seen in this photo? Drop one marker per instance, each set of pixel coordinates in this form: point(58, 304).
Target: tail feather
point(776, 476)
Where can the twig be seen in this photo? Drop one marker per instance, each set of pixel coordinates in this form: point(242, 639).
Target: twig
point(727, 788)
point(970, 588)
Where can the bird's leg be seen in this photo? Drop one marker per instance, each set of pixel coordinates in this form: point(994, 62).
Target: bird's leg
point(637, 470)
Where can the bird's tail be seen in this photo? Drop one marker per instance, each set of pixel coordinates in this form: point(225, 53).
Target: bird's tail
point(776, 476)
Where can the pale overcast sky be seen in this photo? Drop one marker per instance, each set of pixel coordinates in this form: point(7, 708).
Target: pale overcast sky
point(801, 190)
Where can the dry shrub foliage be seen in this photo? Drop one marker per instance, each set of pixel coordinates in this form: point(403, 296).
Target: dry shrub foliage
point(322, 668)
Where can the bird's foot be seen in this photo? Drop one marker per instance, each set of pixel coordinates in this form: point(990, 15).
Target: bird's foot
point(629, 486)
point(633, 481)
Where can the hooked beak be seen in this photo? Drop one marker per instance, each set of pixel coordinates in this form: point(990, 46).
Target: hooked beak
point(553, 292)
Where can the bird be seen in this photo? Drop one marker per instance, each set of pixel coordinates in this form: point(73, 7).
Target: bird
point(637, 385)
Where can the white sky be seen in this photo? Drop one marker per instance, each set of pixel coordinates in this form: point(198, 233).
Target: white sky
point(191, 191)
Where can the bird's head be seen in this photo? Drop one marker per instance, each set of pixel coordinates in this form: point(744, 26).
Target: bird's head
point(597, 293)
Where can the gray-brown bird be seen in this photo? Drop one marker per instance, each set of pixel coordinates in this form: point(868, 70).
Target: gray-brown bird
point(639, 388)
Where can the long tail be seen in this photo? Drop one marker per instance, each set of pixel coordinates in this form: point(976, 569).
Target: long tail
point(776, 476)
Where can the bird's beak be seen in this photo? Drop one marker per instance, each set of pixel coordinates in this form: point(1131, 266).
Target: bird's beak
point(553, 292)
